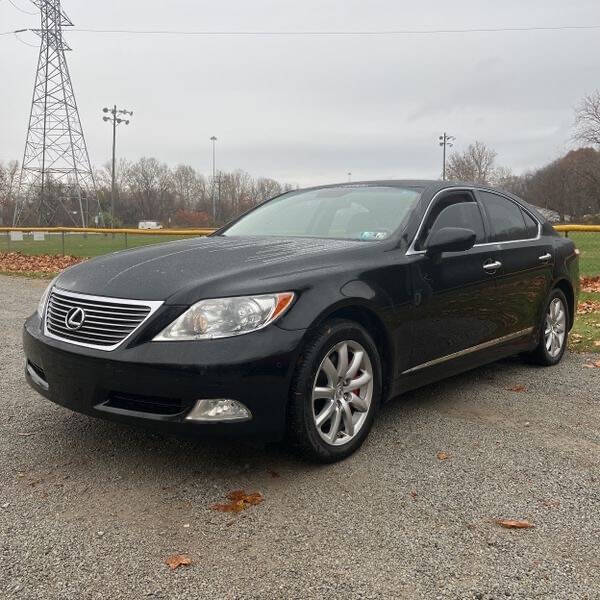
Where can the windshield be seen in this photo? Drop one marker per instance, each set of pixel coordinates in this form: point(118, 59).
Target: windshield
point(367, 213)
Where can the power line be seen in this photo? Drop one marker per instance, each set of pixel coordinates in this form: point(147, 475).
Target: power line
point(340, 33)
point(332, 33)
point(24, 42)
point(22, 9)
point(392, 32)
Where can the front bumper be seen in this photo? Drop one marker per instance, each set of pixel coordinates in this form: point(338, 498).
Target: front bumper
point(157, 383)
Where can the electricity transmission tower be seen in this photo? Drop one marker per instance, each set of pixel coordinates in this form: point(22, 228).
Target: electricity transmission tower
point(56, 182)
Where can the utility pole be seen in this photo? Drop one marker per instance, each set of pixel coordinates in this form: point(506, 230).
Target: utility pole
point(116, 120)
point(349, 176)
point(213, 139)
point(445, 140)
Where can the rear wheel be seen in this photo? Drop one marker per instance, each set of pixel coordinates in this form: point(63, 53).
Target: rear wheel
point(554, 331)
point(336, 392)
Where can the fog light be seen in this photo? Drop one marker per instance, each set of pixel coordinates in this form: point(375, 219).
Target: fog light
point(219, 410)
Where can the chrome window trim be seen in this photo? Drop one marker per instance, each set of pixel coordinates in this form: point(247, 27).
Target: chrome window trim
point(154, 305)
point(411, 249)
point(471, 349)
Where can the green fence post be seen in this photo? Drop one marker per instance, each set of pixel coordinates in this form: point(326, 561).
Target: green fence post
point(62, 235)
point(125, 239)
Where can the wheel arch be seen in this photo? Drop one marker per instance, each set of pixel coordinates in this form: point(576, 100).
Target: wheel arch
point(367, 318)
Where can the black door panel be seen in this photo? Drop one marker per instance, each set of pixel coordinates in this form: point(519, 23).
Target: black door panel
point(456, 306)
point(523, 284)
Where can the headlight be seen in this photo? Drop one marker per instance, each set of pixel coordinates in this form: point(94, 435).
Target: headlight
point(44, 298)
point(226, 317)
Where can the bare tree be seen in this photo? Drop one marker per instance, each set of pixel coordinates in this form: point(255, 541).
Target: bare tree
point(8, 184)
point(476, 164)
point(190, 188)
point(587, 120)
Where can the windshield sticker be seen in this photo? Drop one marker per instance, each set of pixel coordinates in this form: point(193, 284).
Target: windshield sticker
point(373, 235)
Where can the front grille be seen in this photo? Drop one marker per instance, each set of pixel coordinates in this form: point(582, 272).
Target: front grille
point(104, 322)
point(157, 405)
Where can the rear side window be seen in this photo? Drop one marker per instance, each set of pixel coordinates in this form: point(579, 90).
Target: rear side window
point(507, 220)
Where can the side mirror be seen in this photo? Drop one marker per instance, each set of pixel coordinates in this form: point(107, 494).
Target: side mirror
point(450, 239)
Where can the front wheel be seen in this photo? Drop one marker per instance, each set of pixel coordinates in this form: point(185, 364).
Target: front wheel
point(554, 331)
point(335, 393)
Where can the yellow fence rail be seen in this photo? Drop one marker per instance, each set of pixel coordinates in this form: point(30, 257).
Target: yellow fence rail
point(131, 231)
point(204, 231)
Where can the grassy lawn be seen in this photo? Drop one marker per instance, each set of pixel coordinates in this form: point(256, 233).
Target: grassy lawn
point(589, 246)
point(77, 244)
point(585, 336)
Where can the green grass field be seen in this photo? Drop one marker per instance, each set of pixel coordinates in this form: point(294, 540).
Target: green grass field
point(96, 244)
point(589, 246)
point(77, 244)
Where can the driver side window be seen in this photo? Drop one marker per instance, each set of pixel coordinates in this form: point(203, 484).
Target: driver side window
point(453, 211)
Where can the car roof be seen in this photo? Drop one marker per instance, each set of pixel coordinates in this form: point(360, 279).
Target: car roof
point(428, 184)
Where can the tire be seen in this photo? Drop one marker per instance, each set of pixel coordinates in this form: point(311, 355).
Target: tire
point(542, 355)
point(356, 407)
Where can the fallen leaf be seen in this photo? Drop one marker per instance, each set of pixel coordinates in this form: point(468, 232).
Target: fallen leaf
point(443, 455)
point(177, 560)
point(593, 365)
point(16, 262)
point(514, 523)
point(590, 284)
point(274, 474)
point(25, 434)
point(588, 307)
point(517, 388)
point(239, 500)
point(597, 343)
point(413, 494)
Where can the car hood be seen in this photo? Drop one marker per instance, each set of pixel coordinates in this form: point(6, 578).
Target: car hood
point(184, 271)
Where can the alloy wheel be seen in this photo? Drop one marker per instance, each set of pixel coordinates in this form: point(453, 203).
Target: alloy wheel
point(555, 327)
point(342, 393)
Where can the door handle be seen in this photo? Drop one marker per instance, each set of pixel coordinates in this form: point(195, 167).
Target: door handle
point(545, 257)
point(492, 266)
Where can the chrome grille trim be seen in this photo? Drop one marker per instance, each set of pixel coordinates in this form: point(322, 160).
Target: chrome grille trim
point(109, 322)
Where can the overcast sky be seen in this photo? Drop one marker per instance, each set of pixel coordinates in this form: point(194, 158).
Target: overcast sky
point(306, 109)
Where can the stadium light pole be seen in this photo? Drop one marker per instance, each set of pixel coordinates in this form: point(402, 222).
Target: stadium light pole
point(116, 120)
point(213, 139)
point(445, 140)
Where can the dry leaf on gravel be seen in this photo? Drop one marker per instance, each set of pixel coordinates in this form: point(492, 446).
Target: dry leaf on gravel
point(274, 474)
point(443, 455)
point(514, 523)
point(517, 388)
point(16, 262)
point(177, 560)
point(239, 500)
point(592, 365)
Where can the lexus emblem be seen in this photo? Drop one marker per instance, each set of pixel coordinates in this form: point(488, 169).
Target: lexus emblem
point(74, 318)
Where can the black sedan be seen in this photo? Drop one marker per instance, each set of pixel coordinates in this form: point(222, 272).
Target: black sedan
point(301, 317)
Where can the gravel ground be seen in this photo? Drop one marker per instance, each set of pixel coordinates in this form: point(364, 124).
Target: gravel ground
point(91, 510)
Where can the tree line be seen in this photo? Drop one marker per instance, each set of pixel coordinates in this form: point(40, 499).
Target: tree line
point(569, 185)
point(183, 197)
point(149, 190)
